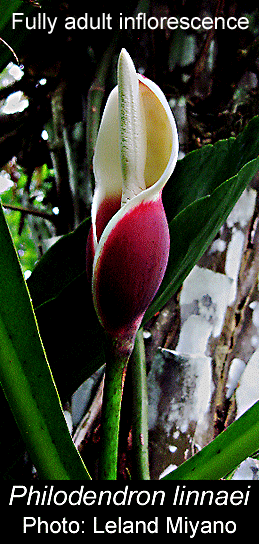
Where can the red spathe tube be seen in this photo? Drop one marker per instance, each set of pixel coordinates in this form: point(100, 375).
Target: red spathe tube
point(130, 267)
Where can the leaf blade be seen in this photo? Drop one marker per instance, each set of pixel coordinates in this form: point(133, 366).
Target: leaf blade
point(26, 377)
point(195, 226)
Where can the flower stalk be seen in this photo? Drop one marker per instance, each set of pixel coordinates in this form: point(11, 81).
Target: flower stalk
point(116, 366)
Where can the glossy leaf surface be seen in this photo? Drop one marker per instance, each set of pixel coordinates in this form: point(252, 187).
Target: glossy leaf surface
point(26, 377)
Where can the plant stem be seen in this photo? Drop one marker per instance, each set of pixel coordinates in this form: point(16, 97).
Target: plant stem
point(11, 49)
point(139, 409)
point(30, 211)
point(116, 365)
point(58, 153)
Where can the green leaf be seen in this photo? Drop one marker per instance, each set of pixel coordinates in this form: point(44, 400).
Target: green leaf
point(61, 295)
point(200, 195)
point(61, 265)
point(14, 38)
point(239, 441)
point(202, 171)
point(26, 377)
